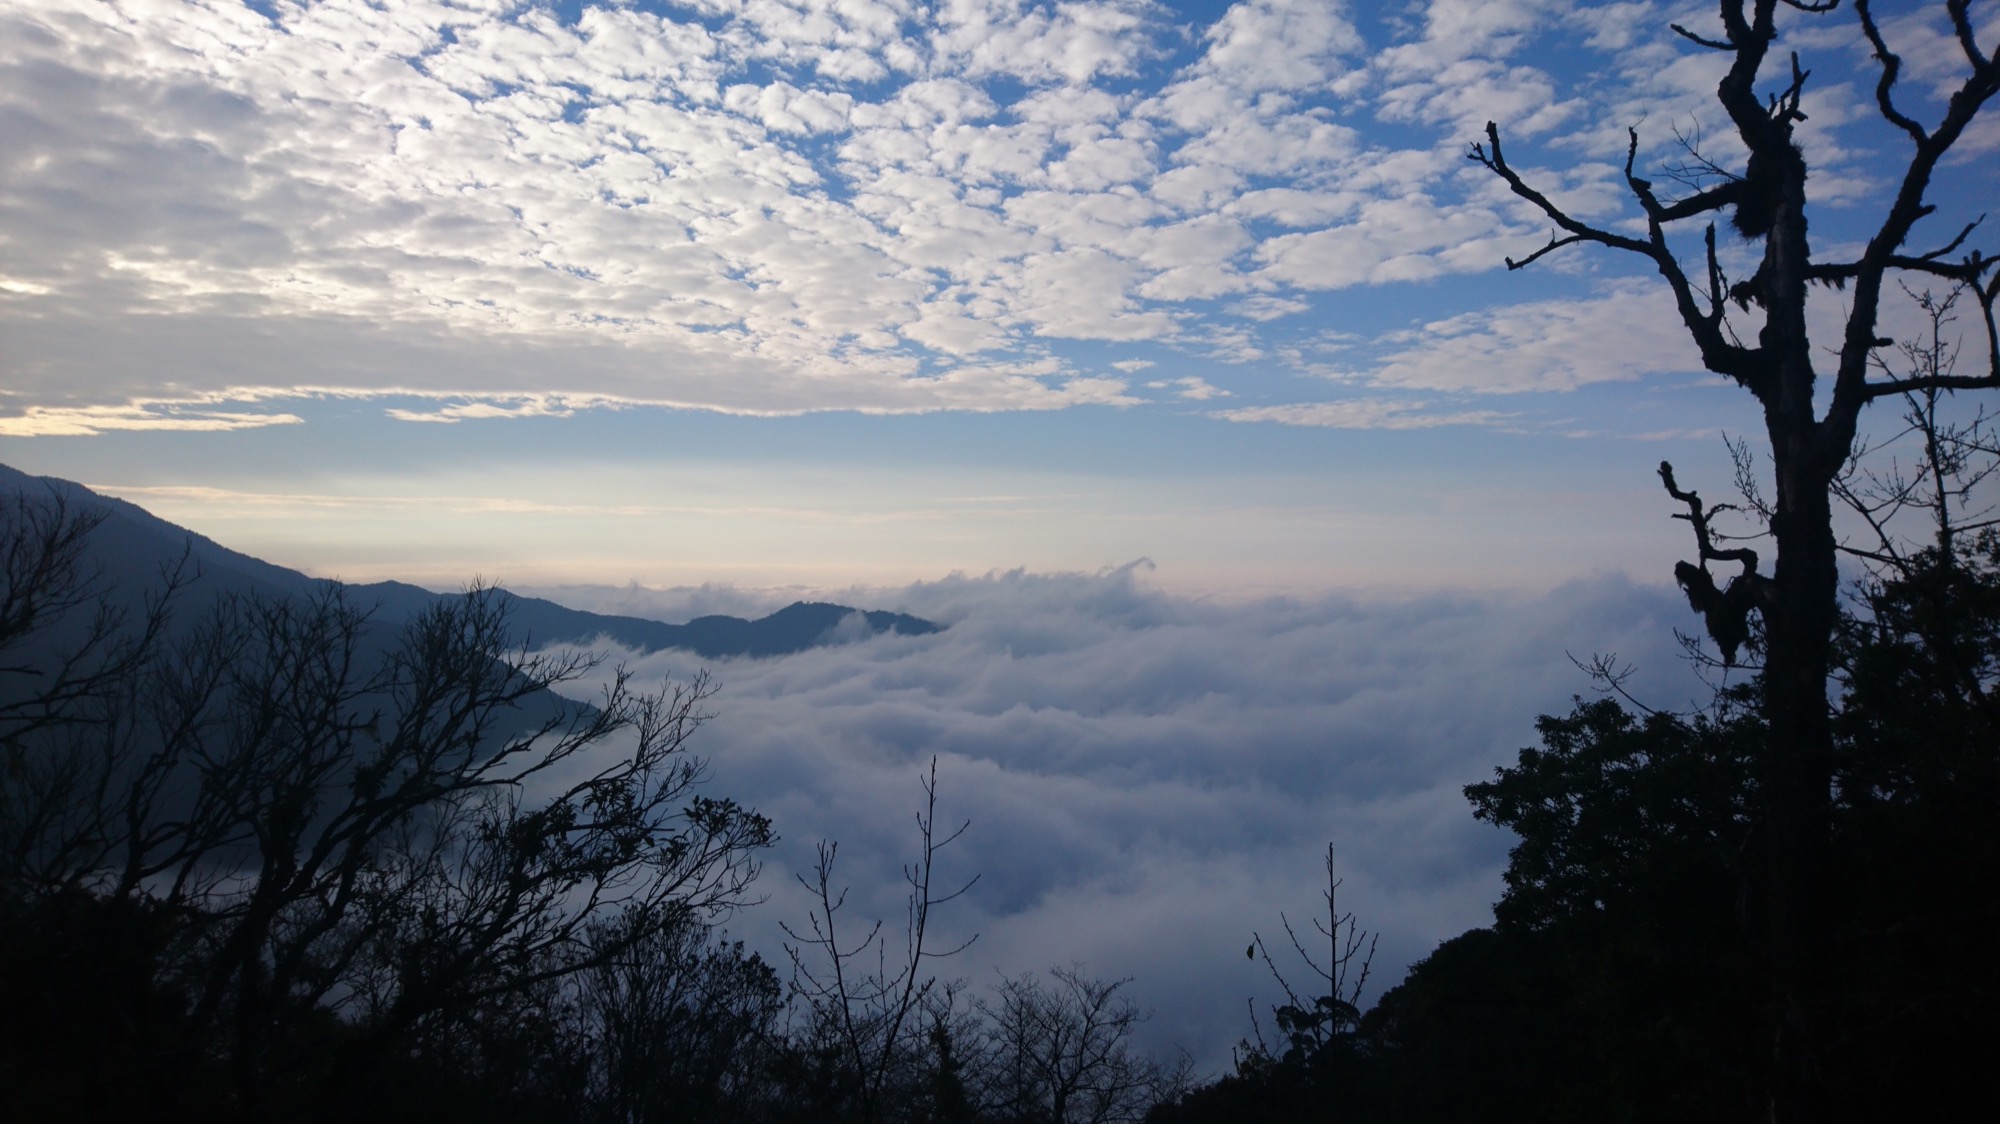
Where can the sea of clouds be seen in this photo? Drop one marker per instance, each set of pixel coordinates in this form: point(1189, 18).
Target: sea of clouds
point(1149, 777)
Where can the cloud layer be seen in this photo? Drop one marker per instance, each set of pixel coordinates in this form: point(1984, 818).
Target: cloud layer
point(1150, 777)
point(784, 205)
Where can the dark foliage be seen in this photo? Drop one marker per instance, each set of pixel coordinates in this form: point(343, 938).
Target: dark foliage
point(1811, 388)
point(275, 864)
point(1918, 852)
point(1622, 980)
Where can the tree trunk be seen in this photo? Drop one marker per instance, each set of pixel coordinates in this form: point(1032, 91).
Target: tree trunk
point(1797, 776)
point(1800, 612)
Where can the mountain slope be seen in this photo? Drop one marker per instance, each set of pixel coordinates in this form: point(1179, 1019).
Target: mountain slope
point(131, 548)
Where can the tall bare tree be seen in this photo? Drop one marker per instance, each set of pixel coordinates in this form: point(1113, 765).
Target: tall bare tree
point(869, 1022)
point(1763, 344)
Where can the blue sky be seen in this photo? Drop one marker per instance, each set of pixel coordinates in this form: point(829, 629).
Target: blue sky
point(785, 292)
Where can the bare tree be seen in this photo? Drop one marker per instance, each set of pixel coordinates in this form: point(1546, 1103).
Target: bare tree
point(870, 1018)
point(1061, 1053)
point(1944, 479)
point(1310, 1023)
point(1798, 601)
point(67, 640)
point(394, 834)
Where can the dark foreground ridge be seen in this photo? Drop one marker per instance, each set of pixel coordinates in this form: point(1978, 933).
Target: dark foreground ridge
point(133, 546)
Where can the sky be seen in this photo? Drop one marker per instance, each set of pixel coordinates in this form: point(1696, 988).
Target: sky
point(804, 292)
point(1167, 351)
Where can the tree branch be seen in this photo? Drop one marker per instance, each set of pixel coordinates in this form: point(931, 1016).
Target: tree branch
point(1719, 353)
point(1490, 157)
point(1874, 390)
point(1713, 44)
point(1698, 516)
point(1555, 243)
point(1892, 66)
point(1726, 610)
point(1851, 389)
point(1961, 25)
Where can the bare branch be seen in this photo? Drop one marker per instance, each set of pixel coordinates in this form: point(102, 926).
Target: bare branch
point(1555, 243)
point(1605, 670)
point(1698, 516)
point(1875, 390)
point(1489, 155)
point(1851, 390)
point(1966, 271)
point(1713, 44)
point(868, 1014)
point(1956, 242)
point(1961, 25)
point(1726, 610)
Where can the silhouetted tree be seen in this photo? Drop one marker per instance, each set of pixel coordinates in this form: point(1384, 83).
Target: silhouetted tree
point(1307, 1024)
point(678, 1028)
point(1312, 1067)
point(1797, 602)
point(1622, 916)
point(322, 863)
point(277, 862)
point(68, 642)
point(1061, 1053)
point(1617, 982)
point(1611, 986)
point(1917, 815)
point(950, 1099)
point(865, 1038)
point(1617, 960)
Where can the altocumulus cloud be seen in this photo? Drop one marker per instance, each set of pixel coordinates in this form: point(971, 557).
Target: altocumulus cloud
point(778, 206)
point(1149, 777)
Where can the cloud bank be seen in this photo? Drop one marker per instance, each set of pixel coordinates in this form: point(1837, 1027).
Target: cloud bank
point(1151, 777)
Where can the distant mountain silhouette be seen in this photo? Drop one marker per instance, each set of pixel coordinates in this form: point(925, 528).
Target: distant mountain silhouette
point(132, 547)
point(794, 628)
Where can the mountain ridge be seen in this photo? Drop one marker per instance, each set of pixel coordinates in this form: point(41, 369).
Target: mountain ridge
point(131, 548)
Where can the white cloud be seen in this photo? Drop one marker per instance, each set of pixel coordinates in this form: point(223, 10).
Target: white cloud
point(1069, 42)
point(785, 109)
point(1280, 45)
point(1407, 239)
point(773, 206)
point(532, 407)
point(155, 415)
point(1363, 413)
point(1191, 388)
point(1471, 92)
point(1628, 332)
point(1229, 343)
point(1263, 307)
